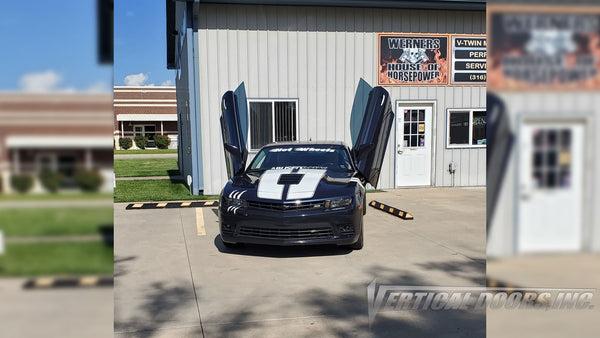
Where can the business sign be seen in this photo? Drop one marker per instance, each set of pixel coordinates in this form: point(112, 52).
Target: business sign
point(555, 49)
point(412, 59)
point(469, 60)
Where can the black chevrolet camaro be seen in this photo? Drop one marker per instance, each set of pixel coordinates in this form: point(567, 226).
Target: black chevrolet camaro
point(302, 193)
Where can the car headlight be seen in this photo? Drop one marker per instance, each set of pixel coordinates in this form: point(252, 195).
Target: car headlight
point(339, 203)
point(233, 202)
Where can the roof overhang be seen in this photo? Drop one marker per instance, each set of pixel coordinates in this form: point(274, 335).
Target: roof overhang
point(62, 142)
point(147, 117)
point(457, 5)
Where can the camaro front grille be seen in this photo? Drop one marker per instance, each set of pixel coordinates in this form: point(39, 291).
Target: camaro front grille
point(286, 207)
point(297, 234)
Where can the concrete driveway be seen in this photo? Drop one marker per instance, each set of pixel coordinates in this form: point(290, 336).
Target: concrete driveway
point(54, 313)
point(174, 277)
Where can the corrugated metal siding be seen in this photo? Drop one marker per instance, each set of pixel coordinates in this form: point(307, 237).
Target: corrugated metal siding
point(317, 55)
point(565, 104)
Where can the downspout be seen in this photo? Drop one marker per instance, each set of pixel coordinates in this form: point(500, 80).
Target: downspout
point(194, 107)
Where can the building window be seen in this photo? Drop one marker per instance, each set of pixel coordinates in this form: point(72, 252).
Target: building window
point(551, 162)
point(272, 121)
point(466, 128)
point(147, 130)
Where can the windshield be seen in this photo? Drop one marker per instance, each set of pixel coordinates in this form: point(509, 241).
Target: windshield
point(330, 157)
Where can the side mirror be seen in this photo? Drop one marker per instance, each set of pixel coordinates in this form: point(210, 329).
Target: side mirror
point(232, 149)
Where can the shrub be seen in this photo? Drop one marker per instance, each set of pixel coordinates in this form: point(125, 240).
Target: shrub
point(162, 141)
point(21, 183)
point(125, 143)
point(88, 181)
point(141, 141)
point(50, 180)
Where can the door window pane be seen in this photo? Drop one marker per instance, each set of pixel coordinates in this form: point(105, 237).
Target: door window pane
point(459, 128)
point(415, 116)
point(150, 132)
point(414, 128)
point(551, 158)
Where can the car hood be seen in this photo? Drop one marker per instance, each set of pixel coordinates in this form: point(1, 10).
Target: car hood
point(275, 185)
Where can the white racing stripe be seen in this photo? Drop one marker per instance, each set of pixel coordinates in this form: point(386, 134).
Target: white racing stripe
point(268, 187)
point(307, 186)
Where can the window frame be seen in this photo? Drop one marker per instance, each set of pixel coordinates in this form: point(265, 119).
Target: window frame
point(463, 110)
point(143, 128)
point(272, 101)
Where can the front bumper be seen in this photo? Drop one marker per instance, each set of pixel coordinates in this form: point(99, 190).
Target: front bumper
point(340, 227)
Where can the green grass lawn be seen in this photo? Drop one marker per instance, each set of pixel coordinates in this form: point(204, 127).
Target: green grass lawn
point(146, 167)
point(55, 197)
point(145, 151)
point(154, 190)
point(39, 259)
point(54, 221)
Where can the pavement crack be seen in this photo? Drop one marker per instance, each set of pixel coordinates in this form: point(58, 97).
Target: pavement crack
point(191, 273)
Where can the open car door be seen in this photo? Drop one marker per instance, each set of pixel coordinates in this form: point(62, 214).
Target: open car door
point(370, 126)
point(499, 144)
point(234, 128)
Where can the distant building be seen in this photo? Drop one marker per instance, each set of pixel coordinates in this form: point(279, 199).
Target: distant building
point(146, 111)
point(56, 132)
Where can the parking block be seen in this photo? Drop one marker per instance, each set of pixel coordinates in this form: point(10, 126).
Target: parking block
point(172, 205)
point(391, 210)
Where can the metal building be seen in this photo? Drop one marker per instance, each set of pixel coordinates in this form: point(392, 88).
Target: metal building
point(301, 64)
point(548, 200)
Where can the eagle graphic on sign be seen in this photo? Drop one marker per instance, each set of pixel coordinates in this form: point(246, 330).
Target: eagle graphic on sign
point(414, 55)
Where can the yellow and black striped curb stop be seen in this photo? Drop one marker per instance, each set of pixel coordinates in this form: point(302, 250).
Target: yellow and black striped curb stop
point(172, 205)
point(391, 210)
point(69, 282)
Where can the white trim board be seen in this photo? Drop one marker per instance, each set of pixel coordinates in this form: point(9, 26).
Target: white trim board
point(45, 142)
point(147, 117)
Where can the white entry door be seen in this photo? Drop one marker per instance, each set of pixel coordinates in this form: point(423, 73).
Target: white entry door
point(413, 148)
point(550, 187)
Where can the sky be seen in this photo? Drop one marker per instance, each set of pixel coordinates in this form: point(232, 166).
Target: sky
point(50, 46)
point(140, 44)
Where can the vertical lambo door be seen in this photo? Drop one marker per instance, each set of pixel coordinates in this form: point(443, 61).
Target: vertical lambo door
point(234, 128)
point(370, 126)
